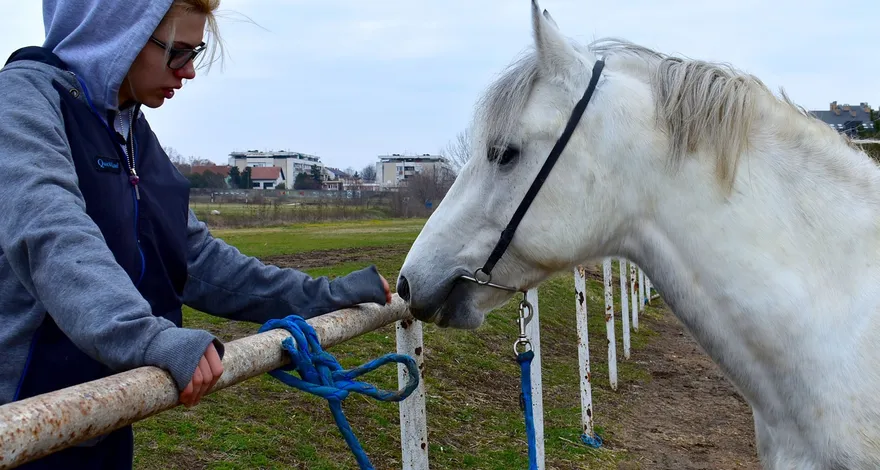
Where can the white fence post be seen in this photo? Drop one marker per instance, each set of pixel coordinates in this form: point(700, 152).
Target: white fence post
point(634, 286)
point(413, 416)
point(624, 307)
point(580, 288)
point(650, 287)
point(533, 331)
point(607, 276)
point(642, 297)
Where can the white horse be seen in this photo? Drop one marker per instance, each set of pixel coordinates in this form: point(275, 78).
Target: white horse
point(759, 225)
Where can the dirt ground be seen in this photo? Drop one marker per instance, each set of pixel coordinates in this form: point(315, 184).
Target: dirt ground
point(320, 258)
point(688, 416)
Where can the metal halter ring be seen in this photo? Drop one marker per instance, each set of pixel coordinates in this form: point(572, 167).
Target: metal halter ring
point(477, 277)
point(487, 281)
point(524, 343)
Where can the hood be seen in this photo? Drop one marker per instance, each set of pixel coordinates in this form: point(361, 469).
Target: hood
point(99, 39)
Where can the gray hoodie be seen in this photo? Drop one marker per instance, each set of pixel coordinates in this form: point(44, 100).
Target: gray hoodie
point(55, 262)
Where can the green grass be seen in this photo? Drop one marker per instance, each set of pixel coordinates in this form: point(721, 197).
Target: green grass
point(302, 238)
point(472, 383)
point(267, 213)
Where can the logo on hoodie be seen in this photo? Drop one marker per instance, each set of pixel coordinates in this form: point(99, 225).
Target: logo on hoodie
point(107, 164)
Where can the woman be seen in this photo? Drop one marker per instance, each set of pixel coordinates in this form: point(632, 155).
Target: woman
point(98, 247)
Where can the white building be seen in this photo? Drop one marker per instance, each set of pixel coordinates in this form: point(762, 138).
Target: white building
point(266, 177)
point(291, 163)
point(392, 169)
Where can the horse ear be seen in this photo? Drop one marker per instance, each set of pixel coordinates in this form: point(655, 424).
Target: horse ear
point(550, 19)
point(556, 54)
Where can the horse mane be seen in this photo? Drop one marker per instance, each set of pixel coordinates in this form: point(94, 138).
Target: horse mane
point(711, 105)
point(699, 104)
point(503, 103)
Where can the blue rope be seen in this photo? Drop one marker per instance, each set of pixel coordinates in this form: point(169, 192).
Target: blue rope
point(323, 376)
point(592, 441)
point(525, 366)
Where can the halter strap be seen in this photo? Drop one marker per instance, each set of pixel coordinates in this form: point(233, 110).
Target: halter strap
point(507, 234)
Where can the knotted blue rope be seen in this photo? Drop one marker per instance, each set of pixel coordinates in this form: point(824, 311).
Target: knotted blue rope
point(525, 366)
point(322, 375)
point(592, 441)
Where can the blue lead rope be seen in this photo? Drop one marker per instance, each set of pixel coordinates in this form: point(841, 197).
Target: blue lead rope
point(525, 366)
point(322, 375)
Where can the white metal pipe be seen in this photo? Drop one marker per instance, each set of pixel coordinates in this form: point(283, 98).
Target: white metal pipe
point(580, 288)
point(624, 308)
point(412, 411)
point(607, 276)
point(37, 426)
point(533, 331)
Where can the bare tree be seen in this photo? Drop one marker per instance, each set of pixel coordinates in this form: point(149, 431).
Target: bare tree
point(200, 161)
point(184, 167)
point(458, 150)
point(420, 194)
point(369, 173)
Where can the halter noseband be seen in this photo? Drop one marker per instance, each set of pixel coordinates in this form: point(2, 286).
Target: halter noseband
point(483, 276)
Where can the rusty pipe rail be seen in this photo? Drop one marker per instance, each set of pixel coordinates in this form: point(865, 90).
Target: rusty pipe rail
point(38, 426)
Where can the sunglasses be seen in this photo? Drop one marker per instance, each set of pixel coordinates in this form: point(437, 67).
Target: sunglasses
point(178, 58)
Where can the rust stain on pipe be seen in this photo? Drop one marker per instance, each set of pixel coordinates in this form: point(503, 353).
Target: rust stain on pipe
point(41, 425)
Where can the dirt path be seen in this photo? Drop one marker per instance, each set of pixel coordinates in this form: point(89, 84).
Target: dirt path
point(688, 416)
point(320, 258)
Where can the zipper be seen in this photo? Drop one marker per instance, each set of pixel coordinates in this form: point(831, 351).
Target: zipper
point(133, 177)
point(129, 148)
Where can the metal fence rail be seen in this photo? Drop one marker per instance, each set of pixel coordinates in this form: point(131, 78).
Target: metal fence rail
point(38, 426)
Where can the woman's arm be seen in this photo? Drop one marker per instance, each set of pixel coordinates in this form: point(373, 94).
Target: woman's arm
point(224, 282)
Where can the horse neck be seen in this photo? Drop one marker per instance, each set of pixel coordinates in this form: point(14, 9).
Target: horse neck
point(789, 259)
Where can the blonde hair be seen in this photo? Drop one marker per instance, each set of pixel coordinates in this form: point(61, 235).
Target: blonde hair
point(207, 8)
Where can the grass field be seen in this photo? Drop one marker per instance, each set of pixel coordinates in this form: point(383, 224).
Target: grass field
point(267, 213)
point(472, 380)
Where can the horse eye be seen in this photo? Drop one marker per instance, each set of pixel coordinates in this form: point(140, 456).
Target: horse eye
point(503, 155)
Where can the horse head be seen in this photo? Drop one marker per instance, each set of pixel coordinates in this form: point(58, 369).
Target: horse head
point(579, 212)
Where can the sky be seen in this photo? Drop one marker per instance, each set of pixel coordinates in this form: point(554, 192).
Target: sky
point(349, 80)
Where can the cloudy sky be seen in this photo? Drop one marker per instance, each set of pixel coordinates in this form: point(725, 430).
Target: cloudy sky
point(351, 79)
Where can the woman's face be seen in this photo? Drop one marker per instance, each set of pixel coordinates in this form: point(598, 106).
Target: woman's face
point(150, 79)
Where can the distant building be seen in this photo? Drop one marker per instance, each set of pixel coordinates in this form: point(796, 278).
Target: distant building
point(392, 170)
point(335, 173)
point(847, 119)
point(291, 163)
point(266, 177)
point(218, 169)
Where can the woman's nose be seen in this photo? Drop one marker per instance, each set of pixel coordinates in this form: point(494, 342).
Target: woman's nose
point(187, 72)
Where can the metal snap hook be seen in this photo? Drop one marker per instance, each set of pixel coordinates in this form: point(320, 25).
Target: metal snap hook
point(526, 312)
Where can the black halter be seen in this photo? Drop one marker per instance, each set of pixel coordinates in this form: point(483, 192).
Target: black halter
point(507, 234)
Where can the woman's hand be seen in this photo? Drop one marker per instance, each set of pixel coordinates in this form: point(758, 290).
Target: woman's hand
point(387, 290)
point(206, 376)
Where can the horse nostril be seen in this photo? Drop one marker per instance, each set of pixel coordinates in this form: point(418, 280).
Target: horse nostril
point(403, 288)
